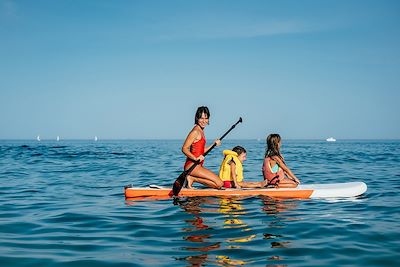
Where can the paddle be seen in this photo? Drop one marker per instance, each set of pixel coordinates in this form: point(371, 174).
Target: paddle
point(182, 178)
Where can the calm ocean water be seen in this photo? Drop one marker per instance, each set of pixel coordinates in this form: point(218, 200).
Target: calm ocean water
point(62, 204)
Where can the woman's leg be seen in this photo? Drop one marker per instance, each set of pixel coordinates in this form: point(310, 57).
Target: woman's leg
point(253, 184)
point(287, 183)
point(205, 177)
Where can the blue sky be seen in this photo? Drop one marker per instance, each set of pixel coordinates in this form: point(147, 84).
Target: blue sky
point(139, 69)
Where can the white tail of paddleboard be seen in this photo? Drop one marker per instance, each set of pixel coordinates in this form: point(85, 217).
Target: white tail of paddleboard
point(350, 189)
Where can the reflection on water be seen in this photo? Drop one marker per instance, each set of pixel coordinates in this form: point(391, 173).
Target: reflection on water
point(274, 208)
point(220, 235)
point(194, 232)
point(233, 212)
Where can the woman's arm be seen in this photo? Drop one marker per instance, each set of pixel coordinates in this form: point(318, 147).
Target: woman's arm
point(286, 169)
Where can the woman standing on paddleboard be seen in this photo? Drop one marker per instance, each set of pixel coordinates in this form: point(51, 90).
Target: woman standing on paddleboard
point(194, 147)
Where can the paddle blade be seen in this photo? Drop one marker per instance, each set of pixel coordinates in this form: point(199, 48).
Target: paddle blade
point(178, 184)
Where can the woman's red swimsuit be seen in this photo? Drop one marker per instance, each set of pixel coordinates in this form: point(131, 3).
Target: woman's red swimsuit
point(197, 149)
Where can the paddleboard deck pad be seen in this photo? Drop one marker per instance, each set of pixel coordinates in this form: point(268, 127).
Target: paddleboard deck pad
point(335, 190)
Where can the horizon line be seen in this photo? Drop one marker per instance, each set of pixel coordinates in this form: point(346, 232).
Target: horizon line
point(175, 139)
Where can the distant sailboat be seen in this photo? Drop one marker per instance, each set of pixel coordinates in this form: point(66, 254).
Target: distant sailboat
point(331, 139)
point(58, 138)
point(95, 138)
point(38, 138)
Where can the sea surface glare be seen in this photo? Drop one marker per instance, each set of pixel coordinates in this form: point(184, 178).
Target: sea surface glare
point(62, 204)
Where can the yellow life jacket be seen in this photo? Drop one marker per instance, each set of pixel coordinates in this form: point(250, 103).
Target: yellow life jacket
point(225, 169)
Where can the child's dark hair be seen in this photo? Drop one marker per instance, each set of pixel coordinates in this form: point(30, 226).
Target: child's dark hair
point(199, 112)
point(239, 150)
point(272, 146)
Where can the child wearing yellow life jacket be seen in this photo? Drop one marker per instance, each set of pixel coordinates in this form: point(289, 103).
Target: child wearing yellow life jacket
point(231, 170)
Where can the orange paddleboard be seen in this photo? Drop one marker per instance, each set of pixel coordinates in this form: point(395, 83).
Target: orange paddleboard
point(337, 190)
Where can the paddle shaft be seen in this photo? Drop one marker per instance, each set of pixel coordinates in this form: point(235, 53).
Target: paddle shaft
point(222, 137)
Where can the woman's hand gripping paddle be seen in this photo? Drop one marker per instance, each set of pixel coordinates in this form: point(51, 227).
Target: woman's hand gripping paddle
point(182, 178)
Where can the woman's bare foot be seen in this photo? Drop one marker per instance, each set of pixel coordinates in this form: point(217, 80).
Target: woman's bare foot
point(190, 180)
point(264, 183)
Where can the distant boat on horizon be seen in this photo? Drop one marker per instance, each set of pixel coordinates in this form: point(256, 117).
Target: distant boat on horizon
point(58, 138)
point(38, 138)
point(331, 139)
point(95, 138)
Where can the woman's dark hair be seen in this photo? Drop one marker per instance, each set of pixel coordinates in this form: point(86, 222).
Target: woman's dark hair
point(199, 112)
point(272, 146)
point(239, 150)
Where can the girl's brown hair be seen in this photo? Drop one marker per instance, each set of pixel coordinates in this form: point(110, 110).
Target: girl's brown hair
point(272, 149)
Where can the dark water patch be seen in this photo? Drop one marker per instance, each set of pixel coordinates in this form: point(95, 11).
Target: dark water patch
point(58, 147)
